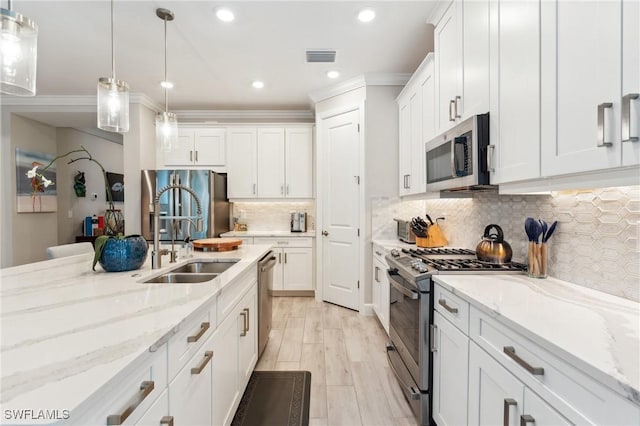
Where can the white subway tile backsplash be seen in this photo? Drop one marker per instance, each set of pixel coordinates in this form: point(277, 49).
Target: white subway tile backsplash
point(273, 216)
point(595, 244)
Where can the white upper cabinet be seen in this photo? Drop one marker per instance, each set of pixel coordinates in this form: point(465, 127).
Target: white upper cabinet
point(630, 82)
point(581, 83)
point(514, 118)
point(299, 162)
point(404, 144)
point(462, 62)
point(204, 147)
point(242, 162)
point(271, 163)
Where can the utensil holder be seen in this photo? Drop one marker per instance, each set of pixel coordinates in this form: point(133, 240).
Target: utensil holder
point(538, 256)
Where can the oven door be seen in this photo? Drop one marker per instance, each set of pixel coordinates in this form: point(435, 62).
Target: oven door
point(409, 327)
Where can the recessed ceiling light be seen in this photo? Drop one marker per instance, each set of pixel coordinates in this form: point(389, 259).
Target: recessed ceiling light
point(333, 74)
point(366, 15)
point(257, 84)
point(166, 84)
point(225, 15)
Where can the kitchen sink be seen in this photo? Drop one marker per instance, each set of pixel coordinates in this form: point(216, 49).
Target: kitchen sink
point(181, 278)
point(216, 266)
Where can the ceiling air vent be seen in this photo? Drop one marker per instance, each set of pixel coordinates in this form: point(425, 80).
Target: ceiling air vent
point(321, 55)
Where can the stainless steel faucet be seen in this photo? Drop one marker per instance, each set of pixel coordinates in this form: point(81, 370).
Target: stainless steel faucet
point(156, 254)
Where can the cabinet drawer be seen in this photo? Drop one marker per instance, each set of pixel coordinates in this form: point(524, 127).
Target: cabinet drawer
point(230, 295)
point(192, 333)
point(130, 395)
point(285, 242)
point(452, 308)
point(577, 396)
point(379, 253)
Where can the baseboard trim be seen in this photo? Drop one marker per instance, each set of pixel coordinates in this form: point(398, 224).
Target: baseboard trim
point(299, 293)
point(367, 310)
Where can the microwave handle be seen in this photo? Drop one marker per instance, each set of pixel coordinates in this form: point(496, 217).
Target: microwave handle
point(453, 158)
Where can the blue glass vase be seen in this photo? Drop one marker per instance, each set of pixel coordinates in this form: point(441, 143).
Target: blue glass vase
point(124, 254)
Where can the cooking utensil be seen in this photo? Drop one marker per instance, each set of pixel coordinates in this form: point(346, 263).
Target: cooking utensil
point(429, 218)
point(493, 248)
point(549, 233)
point(544, 227)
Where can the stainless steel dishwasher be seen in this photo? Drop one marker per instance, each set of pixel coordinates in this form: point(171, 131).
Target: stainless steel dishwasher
point(265, 293)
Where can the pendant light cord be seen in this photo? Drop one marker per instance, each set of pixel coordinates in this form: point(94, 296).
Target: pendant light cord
point(113, 47)
point(9, 6)
point(166, 89)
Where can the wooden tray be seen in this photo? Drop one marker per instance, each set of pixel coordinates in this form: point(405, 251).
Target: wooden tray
point(217, 244)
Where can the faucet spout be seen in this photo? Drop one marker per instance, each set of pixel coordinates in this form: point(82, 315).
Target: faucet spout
point(156, 255)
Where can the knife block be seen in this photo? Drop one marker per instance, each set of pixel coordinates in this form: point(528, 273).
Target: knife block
point(434, 238)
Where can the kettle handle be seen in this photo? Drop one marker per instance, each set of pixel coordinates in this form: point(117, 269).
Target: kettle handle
point(499, 235)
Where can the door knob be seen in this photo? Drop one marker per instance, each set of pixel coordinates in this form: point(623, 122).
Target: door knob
point(325, 233)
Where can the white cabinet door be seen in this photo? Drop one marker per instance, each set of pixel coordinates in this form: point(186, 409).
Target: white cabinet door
point(450, 374)
point(182, 153)
point(404, 147)
point(299, 162)
point(380, 293)
point(375, 288)
point(581, 54)
point(495, 396)
point(241, 162)
point(271, 182)
point(298, 268)
point(158, 412)
point(514, 117)
point(248, 332)
point(210, 147)
point(428, 88)
point(417, 183)
point(448, 49)
point(190, 393)
point(475, 60)
point(631, 82)
point(225, 370)
point(539, 412)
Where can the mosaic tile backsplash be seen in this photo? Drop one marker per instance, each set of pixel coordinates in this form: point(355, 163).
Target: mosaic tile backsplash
point(596, 243)
point(272, 216)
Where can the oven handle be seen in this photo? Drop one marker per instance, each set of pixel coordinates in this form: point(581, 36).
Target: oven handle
point(410, 294)
point(415, 395)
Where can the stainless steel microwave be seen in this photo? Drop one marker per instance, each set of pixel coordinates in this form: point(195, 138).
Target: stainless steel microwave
point(457, 159)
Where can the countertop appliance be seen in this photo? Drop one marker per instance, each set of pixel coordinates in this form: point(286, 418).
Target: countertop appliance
point(404, 232)
point(457, 160)
point(298, 221)
point(211, 188)
point(411, 314)
point(265, 294)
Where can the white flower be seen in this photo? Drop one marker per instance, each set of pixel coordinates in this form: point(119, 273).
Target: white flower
point(46, 182)
point(32, 173)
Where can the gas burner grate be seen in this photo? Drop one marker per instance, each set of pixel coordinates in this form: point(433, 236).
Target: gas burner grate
point(472, 265)
point(439, 251)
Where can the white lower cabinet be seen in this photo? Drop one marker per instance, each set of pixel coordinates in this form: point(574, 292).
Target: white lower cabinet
point(158, 414)
point(294, 267)
point(450, 360)
point(380, 287)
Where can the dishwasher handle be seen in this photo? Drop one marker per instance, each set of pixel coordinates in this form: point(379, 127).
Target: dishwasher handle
point(267, 263)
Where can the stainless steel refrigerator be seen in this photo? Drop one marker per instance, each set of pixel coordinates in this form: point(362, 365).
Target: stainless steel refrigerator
point(211, 188)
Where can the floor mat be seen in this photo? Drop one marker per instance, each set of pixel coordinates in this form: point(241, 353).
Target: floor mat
point(275, 398)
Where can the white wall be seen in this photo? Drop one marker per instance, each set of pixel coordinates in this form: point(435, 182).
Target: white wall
point(109, 154)
point(29, 233)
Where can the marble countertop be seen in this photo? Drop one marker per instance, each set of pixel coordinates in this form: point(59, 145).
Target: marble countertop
point(66, 330)
point(268, 234)
point(388, 245)
point(596, 332)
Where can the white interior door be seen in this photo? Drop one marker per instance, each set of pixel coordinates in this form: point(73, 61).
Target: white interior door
point(340, 211)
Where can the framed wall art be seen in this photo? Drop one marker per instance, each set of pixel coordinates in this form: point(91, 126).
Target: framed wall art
point(35, 194)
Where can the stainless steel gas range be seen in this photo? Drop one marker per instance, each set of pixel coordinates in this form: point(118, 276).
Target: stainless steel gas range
point(411, 314)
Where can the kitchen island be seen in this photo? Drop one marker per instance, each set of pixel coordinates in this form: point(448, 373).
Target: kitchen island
point(71, 336)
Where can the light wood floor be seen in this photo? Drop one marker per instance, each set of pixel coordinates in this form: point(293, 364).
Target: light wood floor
point(351, 383)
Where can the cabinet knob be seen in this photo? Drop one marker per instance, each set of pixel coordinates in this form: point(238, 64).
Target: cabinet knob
point(325, 233)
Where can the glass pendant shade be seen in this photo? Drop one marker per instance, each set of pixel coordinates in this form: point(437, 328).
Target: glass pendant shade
point(167, 130)
point(18, 54)
point(113, 105)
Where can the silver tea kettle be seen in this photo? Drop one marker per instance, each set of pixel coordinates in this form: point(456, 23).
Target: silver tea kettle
point(493, 248)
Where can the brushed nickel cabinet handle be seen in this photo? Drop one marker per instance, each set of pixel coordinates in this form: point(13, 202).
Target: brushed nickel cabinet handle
point(287, 189)
point(432, 340)
point(455, 107)
point(167, 420)
point(375, 274)
point(285, 258)
point(451, 104)
point(491, 149)
point(626, 118)
point(281, 189)
point(244, 323)
point(444, 304)
point(207, 357)
point(511, 353)
point(254, 189)
point(409, 181)
point(526, 418)
point(190, 155)
point(196, 156)
point(247, 319)
point(203, 328)
point(279, 257)
point(508, 402)
point(146, 388)
point(601, 126)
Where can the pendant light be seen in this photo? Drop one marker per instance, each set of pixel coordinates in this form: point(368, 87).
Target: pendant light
point(166, 122)
point(18, 53)
point(113, 97)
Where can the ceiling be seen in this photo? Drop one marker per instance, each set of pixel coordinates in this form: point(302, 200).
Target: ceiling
point(213, 63)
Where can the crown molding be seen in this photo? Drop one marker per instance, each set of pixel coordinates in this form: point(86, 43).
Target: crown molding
point(244, 115)
point(110, 136)
point(367, 79)
point(80, 103)
point(438, 11)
